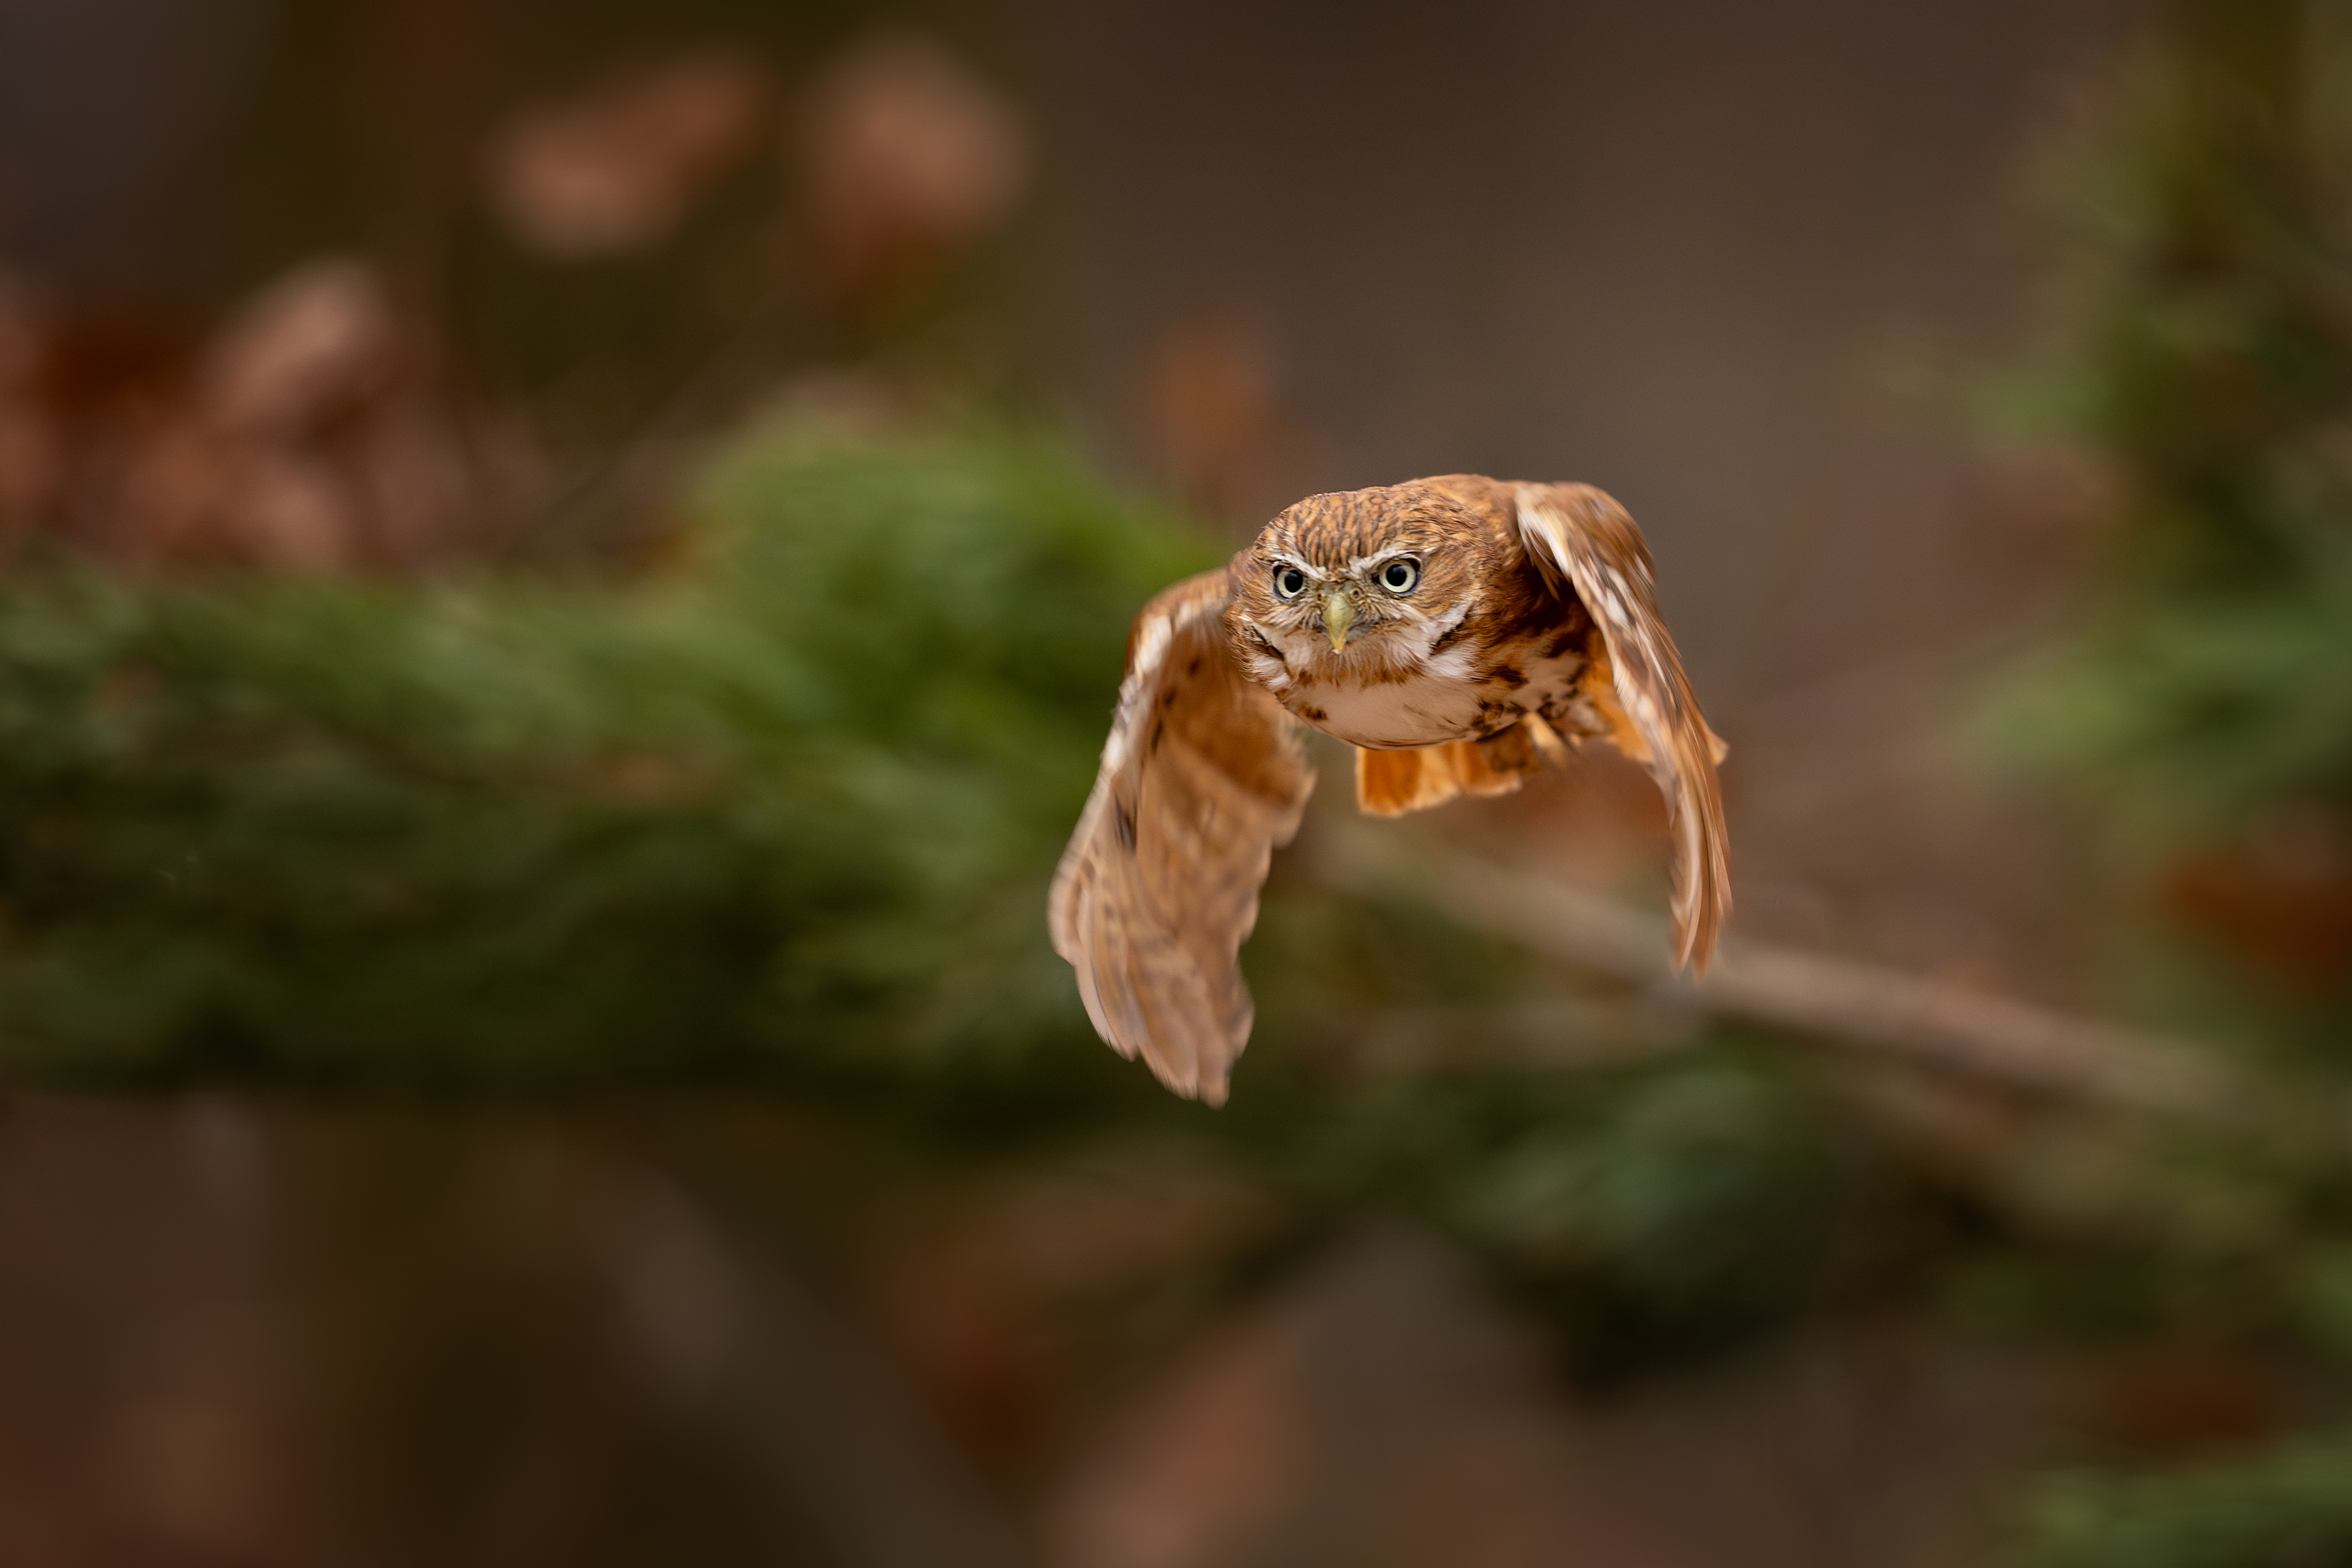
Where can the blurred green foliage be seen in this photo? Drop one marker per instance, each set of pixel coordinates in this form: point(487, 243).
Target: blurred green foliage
point(2202, 361)
point(2201, 707)
point(795, 800)
point(1709, 1196)
point(2290, 1507)
point(2195, 712)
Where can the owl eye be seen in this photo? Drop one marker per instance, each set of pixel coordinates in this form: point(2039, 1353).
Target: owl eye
point(1289, 582)
point(1400, 574)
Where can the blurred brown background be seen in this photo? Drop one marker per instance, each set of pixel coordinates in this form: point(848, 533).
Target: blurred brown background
point(379, 287)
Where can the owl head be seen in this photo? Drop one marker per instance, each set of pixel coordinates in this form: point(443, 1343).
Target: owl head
point(1362, 579)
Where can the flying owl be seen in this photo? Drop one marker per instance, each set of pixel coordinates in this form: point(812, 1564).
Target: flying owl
point(1455, 630)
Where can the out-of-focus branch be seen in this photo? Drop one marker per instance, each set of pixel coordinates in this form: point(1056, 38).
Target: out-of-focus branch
point(1934, 1023)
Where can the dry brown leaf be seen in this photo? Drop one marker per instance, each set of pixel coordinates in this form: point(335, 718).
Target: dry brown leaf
point(908, 157)
point(618, 168)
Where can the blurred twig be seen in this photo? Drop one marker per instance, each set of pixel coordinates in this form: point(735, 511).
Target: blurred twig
point(1934, 1023)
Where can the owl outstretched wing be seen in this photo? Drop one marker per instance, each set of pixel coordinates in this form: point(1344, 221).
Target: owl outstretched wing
point(1578, 533)
point(1203, 778)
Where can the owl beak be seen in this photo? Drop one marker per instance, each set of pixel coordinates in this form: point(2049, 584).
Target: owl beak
point(1338, 618)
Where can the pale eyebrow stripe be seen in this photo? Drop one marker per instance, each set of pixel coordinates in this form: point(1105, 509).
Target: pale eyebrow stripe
point(1359, 563)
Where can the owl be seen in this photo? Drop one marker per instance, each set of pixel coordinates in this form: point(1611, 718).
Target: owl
point(1454, 631)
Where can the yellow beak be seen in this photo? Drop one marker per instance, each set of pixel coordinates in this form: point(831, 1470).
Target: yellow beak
point(1338, 615)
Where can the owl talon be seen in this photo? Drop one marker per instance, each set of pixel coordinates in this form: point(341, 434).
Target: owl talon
point(1548, 741)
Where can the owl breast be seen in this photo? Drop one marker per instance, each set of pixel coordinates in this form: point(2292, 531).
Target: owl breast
point(1389, 699)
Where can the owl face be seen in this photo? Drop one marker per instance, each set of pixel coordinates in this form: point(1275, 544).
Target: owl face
point(1362, 580)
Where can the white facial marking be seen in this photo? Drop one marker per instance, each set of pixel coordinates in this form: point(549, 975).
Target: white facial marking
point(1453, 664)
point(1361, 564)
point(1451, 618)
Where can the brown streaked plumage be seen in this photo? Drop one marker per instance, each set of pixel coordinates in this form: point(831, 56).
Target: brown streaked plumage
point(1456, 631)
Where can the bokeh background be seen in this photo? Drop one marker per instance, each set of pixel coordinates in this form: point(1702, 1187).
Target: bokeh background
point(562, 567)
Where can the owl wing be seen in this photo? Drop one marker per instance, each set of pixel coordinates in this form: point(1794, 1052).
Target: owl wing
point(1576, 532)
point(1202, 780)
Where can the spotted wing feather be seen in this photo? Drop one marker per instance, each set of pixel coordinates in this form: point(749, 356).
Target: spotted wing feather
point(1203, 778)
point(1577, 533)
